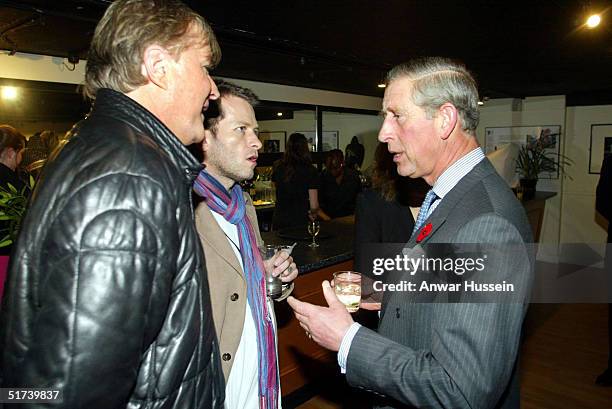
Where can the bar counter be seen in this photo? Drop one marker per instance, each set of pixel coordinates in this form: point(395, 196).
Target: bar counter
point(301, 361)
point(335, 245)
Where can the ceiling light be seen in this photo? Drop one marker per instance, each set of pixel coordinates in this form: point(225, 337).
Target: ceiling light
point(9, 93)
point(593, 21)
point(382, 85)
point(279, 114)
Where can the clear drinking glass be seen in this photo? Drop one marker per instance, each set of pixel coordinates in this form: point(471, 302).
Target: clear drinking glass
point(347, 286)
point(313, 229)
point(274, 285)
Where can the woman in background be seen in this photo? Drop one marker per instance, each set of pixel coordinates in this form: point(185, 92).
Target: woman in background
point(383, 213)
point(297, 185)
point(12, 145)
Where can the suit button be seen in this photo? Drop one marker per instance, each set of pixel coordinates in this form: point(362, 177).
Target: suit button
point(234, 297)
point(226, 357)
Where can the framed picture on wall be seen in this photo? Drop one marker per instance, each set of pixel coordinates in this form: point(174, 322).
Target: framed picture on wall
point(272, 142)
point(549, 135)
point(330, 140)
point(601, 143)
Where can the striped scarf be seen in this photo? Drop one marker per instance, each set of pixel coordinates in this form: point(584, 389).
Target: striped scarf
point(232, 207)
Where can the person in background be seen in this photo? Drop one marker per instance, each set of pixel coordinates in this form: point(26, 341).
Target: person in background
point(35, 149)
point(297, 185)
point(12, 146)
point(38, 148)
point(227, 224)
point(603, 204)
point(383, 212)
point(354, 154)
point(439, 354)
point(107, 298)
point(339, 186)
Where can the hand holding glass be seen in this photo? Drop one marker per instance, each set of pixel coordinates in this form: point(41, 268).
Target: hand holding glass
point(274, 285)
point(287, 249)
point(347, 286)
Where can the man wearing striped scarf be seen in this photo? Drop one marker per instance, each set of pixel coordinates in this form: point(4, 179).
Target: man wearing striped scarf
point(227, 225)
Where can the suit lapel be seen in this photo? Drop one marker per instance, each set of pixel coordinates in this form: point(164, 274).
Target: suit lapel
point(453, 199)
point(216, 238)
point(442, 211)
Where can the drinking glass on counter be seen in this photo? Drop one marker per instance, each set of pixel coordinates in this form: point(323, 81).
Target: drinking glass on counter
point(347, 286)
point(313, 229)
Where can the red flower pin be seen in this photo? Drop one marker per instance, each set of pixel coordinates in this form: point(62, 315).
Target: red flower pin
point(424, 232)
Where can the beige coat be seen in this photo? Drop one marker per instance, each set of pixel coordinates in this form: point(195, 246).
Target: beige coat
point(226, 279)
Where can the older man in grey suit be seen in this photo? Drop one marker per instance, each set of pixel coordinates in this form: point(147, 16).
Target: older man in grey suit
point(439, 355)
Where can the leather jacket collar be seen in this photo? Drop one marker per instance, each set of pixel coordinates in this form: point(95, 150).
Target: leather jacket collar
point(117, 105)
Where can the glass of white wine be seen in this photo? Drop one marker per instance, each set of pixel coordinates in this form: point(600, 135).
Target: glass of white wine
point(347, 286)
point(313, 229)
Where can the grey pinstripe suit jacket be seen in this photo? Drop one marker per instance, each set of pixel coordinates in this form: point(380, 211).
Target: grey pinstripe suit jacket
point(453, 355)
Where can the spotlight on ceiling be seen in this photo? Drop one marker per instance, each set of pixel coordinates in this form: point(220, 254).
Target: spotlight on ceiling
point(9, 93)
point(593, 21)
point(381, 85)
point(279, 114)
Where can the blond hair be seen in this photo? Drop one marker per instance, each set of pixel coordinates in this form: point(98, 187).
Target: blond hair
point(127, 28)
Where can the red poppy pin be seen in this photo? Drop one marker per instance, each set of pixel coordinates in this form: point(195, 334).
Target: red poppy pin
point(424, 232)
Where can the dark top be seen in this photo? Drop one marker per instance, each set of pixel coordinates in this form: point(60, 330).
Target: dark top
point(603, 197)
point(379, 221)
point(338, 200)
point(292, 196)
point(7, 175)
point(354, 153)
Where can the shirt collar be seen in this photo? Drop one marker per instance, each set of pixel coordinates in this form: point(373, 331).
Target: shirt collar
point(451, 176)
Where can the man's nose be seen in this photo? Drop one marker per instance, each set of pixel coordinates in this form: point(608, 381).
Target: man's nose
point(256, 143)
point(214, 91)
point(386, 131)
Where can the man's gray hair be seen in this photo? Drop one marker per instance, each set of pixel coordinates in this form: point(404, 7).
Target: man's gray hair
point(438, 80)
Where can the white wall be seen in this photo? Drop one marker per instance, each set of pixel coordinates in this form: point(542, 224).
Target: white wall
point(54, 69)
point(579, 222)
point(365, 127)
point(532, 111)
point(40, 68)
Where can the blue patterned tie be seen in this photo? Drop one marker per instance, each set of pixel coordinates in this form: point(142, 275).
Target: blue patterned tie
point(424, 211)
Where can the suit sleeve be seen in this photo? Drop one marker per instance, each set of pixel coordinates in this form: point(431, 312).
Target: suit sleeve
point(102, 298)
point(473, 348)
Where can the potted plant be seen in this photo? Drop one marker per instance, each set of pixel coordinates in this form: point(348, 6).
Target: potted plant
point(13, 205)
point(533, 159)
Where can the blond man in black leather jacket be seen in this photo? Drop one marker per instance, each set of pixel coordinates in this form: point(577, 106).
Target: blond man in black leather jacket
point(108, 298)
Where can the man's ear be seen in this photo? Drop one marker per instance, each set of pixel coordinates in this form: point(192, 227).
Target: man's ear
point(156, 64)
point(12, 153)
point(206, 141)
point(446, 119)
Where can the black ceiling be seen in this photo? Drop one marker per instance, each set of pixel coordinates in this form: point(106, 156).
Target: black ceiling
point(515, 48)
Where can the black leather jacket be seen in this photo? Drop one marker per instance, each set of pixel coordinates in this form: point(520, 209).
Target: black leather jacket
point(108, 297)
